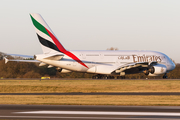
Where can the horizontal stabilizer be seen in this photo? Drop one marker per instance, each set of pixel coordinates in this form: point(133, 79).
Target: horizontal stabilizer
point(7, 60)
point(55, 57)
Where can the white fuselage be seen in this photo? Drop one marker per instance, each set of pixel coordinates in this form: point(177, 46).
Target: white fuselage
point(104, 62)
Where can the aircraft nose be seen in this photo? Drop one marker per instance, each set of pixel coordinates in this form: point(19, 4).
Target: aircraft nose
point(173, 66)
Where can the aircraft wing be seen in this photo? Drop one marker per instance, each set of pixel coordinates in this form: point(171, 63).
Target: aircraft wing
point(19, 58)
point(7, 60)
point(132, 68)
point(51, 57)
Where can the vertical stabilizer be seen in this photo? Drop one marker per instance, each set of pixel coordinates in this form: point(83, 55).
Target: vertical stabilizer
point(49, 42)
point(45, 35)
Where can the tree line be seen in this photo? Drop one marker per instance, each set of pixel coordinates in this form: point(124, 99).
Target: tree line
point(32, 70)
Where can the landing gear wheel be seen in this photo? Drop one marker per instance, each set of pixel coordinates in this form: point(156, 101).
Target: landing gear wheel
point(98, 76)
point(93, 77)
point(110, 77)
point(120, 77)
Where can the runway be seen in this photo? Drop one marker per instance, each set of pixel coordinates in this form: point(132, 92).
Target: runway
point(75, 112)
point(98, 93)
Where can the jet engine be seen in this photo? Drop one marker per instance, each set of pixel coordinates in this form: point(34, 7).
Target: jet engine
point(157, 69)
point(63, 70)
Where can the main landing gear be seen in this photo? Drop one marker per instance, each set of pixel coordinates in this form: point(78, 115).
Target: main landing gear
point(99, 76)
point(120, 77)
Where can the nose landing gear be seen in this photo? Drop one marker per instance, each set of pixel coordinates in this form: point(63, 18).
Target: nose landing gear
point(165, 76)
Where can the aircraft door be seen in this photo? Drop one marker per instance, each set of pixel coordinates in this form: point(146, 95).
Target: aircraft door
point(118, 61)
point(94, 66)
point(74, 63)
point(164, 60)
point(83, 56)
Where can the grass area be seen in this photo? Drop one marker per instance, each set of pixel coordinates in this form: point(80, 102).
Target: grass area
point(92, 100)
point(36, 86)
point(65, 86)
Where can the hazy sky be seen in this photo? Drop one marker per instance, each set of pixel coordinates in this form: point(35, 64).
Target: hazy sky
point(93, 25)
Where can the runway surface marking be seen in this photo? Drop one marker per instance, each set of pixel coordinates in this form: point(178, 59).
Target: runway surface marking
point(101, 113)
point(88, 112)
point(51, 117)
point(96, 118)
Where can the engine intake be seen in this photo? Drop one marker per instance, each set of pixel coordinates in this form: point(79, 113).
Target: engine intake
point(157, 69)
point(151, 69)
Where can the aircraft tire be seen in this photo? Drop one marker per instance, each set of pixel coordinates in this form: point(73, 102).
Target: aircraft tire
point(165, 76)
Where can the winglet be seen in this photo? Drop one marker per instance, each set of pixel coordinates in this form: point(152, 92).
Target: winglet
point(6, 60)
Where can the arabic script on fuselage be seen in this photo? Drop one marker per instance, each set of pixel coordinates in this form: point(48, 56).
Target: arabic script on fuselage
point(124, 57)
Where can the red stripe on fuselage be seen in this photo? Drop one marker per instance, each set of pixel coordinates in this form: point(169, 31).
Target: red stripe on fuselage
point(63, 50)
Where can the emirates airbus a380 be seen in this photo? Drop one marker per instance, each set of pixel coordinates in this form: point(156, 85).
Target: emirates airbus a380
point(104, 64)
